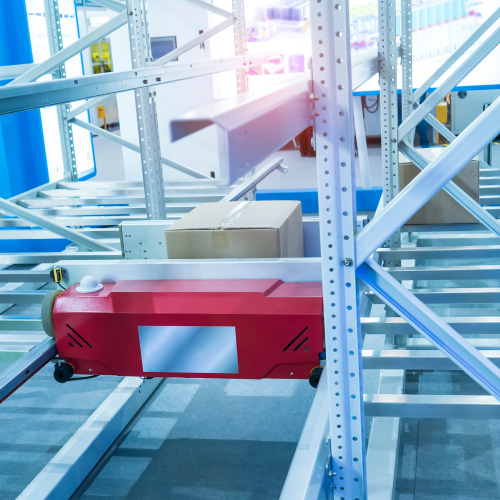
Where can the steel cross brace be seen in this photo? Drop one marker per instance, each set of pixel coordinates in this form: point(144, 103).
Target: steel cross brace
point(429, 182)
point(394, 215)
point(453, 190)
point(456, 55)
point(429, 324)
point(447, 133)
point(451, 81)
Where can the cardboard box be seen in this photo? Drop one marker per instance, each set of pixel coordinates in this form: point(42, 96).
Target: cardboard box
point(442, 209)
point(246, 229)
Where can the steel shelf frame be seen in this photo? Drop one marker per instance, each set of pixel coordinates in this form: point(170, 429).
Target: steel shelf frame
point(40, 94)
point(340, 404)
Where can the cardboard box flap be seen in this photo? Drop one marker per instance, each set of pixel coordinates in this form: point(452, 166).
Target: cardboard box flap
point(236, 215)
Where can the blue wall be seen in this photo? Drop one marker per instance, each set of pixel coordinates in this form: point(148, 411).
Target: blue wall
point(23, 165)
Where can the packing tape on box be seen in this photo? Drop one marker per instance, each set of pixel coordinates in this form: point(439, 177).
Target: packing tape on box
point(220, 238)
point(234, 214)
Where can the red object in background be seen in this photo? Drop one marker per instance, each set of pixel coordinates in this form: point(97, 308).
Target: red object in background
point(278, 326)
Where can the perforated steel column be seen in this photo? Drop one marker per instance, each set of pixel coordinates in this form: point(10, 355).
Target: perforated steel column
point(54, 35)
point(147, 119)
point(406, 64)
point(336, 188)
point(389, 104)
point(240, 43)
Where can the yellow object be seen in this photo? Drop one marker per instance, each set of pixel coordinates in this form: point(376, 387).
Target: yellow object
point(101, 112)
point(56, 274)
point(442, 112)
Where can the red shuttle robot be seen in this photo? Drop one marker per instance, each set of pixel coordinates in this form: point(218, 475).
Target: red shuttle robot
point(206, 328)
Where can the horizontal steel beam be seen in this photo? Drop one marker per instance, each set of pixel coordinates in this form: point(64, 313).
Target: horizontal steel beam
point(288, 270)
point(77, 201)
point(78, 222)
point(22, 296)
point(480, 343)
point(20, 324)
point(22, 339)
point(442, 252)
point(447, 239)
point(41, 94)
point(41, 234)
point(431, 406)
point(35, 95)
point(20, 371)
point(174, 186)
point(33, 276)
point(113, 210)
point(398, 326)
point(489, 190)
point(450, 295)
point(446, 273)
point(9, 259)
point(489, 181)
point(491, 172)
point(490, 200)
point(431, 326)
point(402, 359)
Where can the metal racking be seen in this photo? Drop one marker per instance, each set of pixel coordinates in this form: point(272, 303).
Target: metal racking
point(339, 467)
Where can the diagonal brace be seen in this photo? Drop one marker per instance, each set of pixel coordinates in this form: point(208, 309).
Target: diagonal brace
point(54, 227)
point(111, 5)
point(454, 191)
point(416, 194)
point(453, 79)
point(211, 8)
point(431, 326)
point(72, 50)
point(118, 139)
point(447, 133)
point(456, 55)
point(194, 42)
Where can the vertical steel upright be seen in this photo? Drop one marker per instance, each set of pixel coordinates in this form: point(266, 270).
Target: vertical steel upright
point(147, 120)
point(406, 63)
point(240, 49)
point(54, 35)
point(334, 129)
point(389, 104)
point(240, 44)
